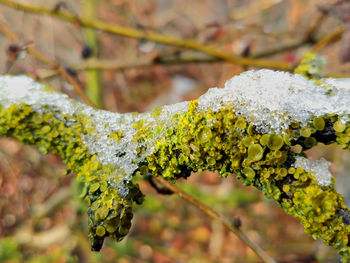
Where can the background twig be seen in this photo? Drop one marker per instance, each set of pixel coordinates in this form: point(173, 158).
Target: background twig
point(93, 85)
point(42, 58)
point(215, 215)
point(139, 34)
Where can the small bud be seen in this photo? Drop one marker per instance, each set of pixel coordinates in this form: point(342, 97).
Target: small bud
point(237, 222)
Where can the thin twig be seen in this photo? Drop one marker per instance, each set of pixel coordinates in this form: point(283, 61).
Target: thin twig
point(167, 60)
point(55, 235)
point(52, 204)
point(175, 59)
point(274, 50)
point(337, 75)
point(179, 59)
point(215, 215)
point(139, 34)
point(253, 9)
point(315, 24)
point(333, 36)
point(188, 57)
point(93, 77)
point(41, 57)
point(308, 37)
point(117, 64)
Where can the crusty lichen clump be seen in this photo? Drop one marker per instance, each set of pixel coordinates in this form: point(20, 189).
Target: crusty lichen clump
point(216, 132)
point(226, 142)
point(109, 212)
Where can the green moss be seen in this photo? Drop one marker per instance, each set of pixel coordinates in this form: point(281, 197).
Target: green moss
point(339, 126)
point(48, 130)
point(249, 173)
point(241, 123)
point(255, 152)
point(311, 66)
point(344, 138)
point(275, 142)
point(257, 160)
point(116, 135)
point(264, 140)
point(310, 142)
point(305, 132)
point(94, 187)
point(205, 134)
point(100, 231)
point(248, 141)
point(319, 123)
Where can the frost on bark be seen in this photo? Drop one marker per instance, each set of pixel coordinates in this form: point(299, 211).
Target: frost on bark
point(249, 128)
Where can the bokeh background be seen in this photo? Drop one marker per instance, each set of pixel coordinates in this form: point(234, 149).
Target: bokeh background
point(41, 216)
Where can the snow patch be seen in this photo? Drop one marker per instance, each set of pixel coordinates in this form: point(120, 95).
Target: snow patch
point(320, 169)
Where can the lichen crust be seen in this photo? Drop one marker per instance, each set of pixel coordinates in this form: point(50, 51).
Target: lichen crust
point(250, 128)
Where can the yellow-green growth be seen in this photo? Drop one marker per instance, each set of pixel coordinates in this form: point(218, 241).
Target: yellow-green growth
point(311, 66)
point(319, 123)
point(275, 142)
point(50, 132)
point(195, 140)
point(93, 78)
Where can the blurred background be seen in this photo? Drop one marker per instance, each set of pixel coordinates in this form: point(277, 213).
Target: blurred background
point(41, 216)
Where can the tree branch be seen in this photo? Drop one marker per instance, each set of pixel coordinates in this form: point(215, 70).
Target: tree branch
point(326, 40)
point(42, 58)
point(231, 130)
point(93, 77)
point(133, 33)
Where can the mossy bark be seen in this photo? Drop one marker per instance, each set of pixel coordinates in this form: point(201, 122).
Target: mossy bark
point(192, 140)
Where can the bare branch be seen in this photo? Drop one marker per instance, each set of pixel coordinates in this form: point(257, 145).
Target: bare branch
point(139, 34)
point(44, 59)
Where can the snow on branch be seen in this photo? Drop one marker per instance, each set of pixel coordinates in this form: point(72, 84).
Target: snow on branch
point(249, 128)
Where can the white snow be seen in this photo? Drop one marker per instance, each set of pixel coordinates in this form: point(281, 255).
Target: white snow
point(272, 100)
point(21, 89)
point(319, 168)
point(268, 99)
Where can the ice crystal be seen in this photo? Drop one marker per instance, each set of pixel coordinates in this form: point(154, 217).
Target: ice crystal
point(272, 100)
point(320, 169)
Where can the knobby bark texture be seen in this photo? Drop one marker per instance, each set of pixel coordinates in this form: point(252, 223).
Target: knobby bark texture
point(250, 129)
